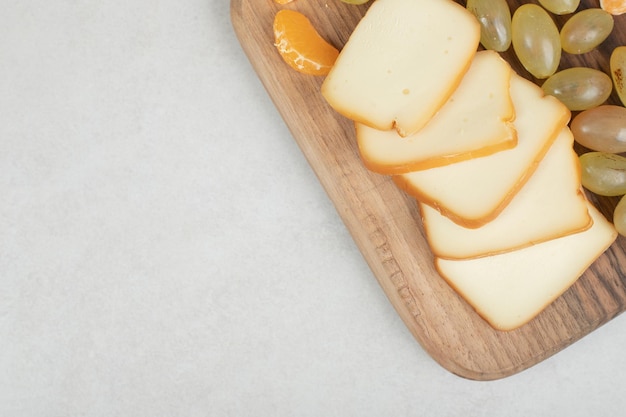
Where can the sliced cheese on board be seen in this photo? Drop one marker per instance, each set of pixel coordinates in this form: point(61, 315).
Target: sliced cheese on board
point(475, 121)
point(550, 205)
point(402, 62)
point(510, 289)
point(475, 191)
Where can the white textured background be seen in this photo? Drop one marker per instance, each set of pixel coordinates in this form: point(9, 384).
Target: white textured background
point(165, 250)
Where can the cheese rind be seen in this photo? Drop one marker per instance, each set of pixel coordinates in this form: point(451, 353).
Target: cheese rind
point(402, 62)
point(510, 289)
point(550, 205)
point(475, 121)
point(475, 191)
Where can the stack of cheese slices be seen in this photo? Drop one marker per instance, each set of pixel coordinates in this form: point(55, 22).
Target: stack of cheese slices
point(486, 154)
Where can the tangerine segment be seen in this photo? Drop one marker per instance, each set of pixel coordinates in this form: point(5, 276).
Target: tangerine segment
point(300, 45)
point(283, 1)
point(615, 7)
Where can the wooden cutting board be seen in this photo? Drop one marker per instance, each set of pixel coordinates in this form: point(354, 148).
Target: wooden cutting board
point(385, 223)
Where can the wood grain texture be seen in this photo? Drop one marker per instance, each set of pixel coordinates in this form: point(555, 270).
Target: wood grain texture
point(386, 225)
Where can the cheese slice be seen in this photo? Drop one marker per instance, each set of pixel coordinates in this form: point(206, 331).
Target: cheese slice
point(475, 121)
point(550, 205)
point(510, 289)
point(402, 62)
point(475, 191)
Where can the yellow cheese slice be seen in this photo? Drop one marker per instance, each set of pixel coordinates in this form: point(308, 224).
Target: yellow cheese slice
point(510, 289)
point(402, 62)
point(475, 121)
point(550, 205)
point(475, 191)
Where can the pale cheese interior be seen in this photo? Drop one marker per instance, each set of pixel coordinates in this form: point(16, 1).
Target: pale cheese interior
point(551, 204)
point(475, 191)
point(510, 289)
point(402, 62)
point(475, 121)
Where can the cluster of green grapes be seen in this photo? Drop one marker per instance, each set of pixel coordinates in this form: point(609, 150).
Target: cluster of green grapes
point(603, 130)
point(538, 42)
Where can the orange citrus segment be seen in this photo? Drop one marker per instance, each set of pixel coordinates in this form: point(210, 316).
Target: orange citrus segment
point(300, 45)
point(614, 7)
point(283, 1)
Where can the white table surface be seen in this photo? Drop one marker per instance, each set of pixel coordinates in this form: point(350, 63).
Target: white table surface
point(165, 250)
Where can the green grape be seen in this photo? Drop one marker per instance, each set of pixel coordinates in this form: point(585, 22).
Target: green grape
point(585, 30)
point(355, 1)
point(560, 6)
point(618, 71)
point(536, 40)
point(619, 217)
point(601, 128)
point(604, 173)
point(579, 88)
point(495, 23)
